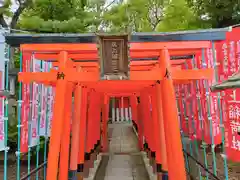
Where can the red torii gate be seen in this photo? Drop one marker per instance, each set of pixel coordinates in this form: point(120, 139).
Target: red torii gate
point(70, 74)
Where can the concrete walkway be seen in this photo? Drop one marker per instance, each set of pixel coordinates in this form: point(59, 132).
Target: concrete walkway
point(124, 161)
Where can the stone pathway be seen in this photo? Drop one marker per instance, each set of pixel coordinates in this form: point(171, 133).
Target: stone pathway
point(125, 161)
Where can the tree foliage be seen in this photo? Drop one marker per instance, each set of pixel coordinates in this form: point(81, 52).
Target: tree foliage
point(218, 13)
point(137, 16)
point(57, 16)
point(178, 16)
point(52, 16)
point(5, 12)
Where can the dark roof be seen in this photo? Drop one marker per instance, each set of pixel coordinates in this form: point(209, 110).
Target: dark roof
point(236, 25)
point(16, 39)
point(231, 83)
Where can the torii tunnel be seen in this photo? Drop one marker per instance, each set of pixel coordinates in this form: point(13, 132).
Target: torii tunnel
point(154, 69)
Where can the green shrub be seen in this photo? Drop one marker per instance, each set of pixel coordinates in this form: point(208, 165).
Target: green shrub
point(13, 139)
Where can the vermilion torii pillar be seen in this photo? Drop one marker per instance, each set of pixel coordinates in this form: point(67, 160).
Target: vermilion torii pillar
point(76, 128)
point(171, 123)
point(65, 140)
point(105, 113)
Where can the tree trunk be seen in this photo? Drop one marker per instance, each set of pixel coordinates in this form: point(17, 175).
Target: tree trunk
point(2, 21)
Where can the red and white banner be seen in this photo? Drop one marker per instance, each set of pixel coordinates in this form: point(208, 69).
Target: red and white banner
point(229, 62)
point(36, 95)
point(25, 111)
point(45, 102)
point(232, 138)
point(50, 109)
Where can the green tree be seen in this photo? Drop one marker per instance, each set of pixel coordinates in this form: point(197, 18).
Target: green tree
point(137, 16)
point(94, 11)
point(62, 16)
point(178, 16)
point(116, 19)
point(218, 13)
point(5, 12)
point(155, 12)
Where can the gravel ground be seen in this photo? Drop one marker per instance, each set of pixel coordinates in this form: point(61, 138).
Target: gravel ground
point(12, 169)
point(233, 168)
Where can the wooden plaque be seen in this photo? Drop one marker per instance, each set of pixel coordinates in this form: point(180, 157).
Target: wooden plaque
point(113, 52)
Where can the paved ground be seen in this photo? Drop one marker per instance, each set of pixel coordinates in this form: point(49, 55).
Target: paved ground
point(124, 161)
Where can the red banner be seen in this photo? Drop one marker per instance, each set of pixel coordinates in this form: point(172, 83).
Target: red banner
point(231, 135)
point(196, 107)
point(229, 61)
point(179, 93)
point(25, 106)
point(206, 127)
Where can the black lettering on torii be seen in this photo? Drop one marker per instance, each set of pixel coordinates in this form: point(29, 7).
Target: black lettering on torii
point(60, 75)
point(167, 74)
